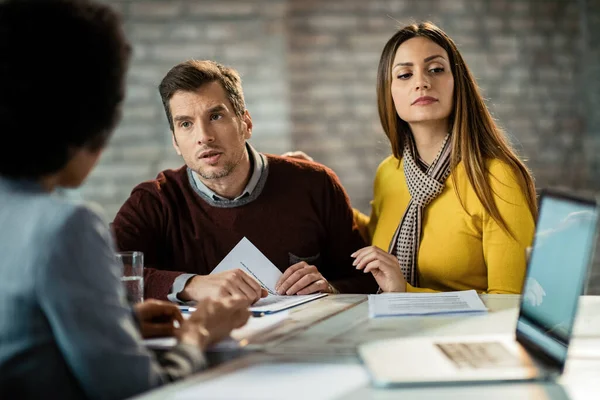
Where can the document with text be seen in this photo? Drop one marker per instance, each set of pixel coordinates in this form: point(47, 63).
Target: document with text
point(248, 258)
point(397, 304)
point(251, 260)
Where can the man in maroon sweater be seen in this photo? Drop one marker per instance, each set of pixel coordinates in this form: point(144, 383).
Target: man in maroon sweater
point(187, 220)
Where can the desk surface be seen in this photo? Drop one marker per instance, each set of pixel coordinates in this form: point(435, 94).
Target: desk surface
point(328, 331)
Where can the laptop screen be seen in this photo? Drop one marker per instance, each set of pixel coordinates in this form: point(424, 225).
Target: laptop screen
point(556, 272)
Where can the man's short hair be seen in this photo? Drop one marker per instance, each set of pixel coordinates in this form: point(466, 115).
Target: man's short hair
point(190, 75)
point(62, 69)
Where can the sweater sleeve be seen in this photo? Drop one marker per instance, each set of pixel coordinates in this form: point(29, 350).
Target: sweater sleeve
point(343, 238)
point(84, 303)
point(505, 253)
point(139, 226)
point(366, 224)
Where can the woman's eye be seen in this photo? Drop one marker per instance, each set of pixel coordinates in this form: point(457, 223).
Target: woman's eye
point(405, 76)
point(436, 70)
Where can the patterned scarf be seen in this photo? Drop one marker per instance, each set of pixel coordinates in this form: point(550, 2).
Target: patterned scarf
point(424, 183)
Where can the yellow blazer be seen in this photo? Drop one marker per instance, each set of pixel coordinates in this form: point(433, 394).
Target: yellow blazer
point(461, 248)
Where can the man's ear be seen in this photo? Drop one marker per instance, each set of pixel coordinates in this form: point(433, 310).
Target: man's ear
point(247, 124)
point(175, 145)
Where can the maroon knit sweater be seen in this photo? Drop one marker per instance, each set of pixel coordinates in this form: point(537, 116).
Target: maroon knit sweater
point(301, 213)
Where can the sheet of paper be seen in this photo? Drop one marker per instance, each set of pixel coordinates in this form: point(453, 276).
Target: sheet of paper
point(392, 304)
point(249, 259)
point(273, 303)
point(276, 381)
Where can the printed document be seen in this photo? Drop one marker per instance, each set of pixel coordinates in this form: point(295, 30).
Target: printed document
point(248, 258)
point(393, 304)
point(251, 260)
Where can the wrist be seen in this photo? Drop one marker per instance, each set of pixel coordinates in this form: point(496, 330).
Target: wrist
point(186, 293)
point(195, 335)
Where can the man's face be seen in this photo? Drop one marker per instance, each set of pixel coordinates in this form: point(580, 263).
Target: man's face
point(207, 133)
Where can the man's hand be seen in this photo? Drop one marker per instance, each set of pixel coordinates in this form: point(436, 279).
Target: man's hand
point(298, 154)
point(156, 318)
point(302, 278)
point(384, 267)
point(224, 284)
point(213, 320)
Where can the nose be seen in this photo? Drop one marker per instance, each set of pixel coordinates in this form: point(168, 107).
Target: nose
point(422, 82)
point(204, 134)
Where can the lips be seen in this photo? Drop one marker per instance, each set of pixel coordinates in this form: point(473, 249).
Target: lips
point(210, 157)
point(209, 154)
point(424, 100)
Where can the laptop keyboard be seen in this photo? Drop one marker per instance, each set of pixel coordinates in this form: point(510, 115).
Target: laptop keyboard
point(479, 355)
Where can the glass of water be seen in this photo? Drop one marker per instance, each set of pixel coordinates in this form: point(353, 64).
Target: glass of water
point(133, 275)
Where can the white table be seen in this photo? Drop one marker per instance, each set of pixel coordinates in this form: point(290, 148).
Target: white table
point(328, 331)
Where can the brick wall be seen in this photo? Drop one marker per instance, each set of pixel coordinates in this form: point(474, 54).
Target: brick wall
point(309, 71)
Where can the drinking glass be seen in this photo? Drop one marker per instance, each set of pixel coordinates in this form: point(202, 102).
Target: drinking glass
point(133, 274)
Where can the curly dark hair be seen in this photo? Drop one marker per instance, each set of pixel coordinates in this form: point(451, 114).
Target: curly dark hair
point(62, 71)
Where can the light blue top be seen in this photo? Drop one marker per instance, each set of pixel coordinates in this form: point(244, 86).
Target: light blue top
point(66, 330)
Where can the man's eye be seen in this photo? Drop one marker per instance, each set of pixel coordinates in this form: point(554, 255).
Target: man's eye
point(215, 117)
point(186, 124)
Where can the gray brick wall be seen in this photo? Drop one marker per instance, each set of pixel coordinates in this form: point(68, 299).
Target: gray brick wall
point(309, 69)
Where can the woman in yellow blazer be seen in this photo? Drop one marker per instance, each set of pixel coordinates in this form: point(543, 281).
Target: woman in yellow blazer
point(453, 207)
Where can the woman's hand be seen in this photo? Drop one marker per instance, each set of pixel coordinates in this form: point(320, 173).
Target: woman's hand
point(214, 320)
point(156, 318)
point(384, 267)
point(299, 155)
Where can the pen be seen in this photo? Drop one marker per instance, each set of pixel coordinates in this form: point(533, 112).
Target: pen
point(187, 308)
point(258, 314)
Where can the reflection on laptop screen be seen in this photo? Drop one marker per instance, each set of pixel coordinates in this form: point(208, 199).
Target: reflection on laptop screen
point(556, 271)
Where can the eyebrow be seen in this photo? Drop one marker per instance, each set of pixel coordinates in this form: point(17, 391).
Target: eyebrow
point(181, 118)
point(217, 108)
point(409, 64)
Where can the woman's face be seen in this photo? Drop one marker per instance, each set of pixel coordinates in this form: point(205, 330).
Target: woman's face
point(422, 82)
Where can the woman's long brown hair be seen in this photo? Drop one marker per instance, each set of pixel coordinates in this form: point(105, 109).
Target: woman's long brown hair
point(475, 135)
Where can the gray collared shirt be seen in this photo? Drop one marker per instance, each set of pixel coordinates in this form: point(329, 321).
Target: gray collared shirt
point(258, 164)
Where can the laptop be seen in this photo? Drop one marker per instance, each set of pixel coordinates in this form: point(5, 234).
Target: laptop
point(556, 274)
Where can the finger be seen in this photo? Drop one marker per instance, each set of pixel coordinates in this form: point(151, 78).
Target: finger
point(288, 272)
point(252, 284)
point(365, 258)
point(293, 278)
point(382, 266)
point(303, 282)
point(237, 285)
point(249, 292)
point(237, 302)
point(375, 254)
point(240, 317)
point(159, 330)
point(373, 266)
point(263, 292)
point(362, 251)
point(318, 286)
point(176, 314)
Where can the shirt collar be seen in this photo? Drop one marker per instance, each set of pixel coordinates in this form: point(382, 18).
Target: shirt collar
point(257, 165)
